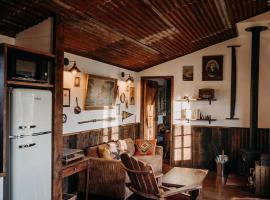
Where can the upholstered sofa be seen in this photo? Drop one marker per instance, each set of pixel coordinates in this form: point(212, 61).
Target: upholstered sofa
point(108, 178)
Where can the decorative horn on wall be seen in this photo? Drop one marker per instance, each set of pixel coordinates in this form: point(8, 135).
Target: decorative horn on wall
point(233, 82)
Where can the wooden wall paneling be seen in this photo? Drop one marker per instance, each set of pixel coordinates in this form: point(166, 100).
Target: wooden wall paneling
point(207, 142)
point(57, 134)
point(84, 139)
point(88, 138)
point(105, 133)
point(115, 134)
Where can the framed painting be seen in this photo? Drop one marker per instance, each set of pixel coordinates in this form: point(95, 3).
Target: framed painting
point(77, 81)
point(66, 97)
point(212, 69)
point(131, 96)
point(187, 73)
point(100, 92)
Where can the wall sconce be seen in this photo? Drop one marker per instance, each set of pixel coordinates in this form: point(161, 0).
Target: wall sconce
point(129, 79)
point(74, 69)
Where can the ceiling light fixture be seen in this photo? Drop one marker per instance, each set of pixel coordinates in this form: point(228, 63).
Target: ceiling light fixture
point(74, 69)
point(129, 79)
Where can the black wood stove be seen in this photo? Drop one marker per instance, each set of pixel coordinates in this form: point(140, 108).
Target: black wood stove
point(249, 156)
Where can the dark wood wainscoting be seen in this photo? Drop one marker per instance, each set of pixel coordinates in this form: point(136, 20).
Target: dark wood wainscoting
point(196, 147)
point(94, 137)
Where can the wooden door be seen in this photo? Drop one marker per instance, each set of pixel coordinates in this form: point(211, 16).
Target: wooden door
point(149, 109)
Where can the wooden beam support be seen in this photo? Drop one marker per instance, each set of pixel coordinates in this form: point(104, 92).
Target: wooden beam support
point(57, 136)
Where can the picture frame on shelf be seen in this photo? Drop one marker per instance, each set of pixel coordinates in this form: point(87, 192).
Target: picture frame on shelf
point(188, 73)
point(212, 68)
point(66, 97)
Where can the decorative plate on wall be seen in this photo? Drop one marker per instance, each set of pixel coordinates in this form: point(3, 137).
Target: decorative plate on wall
point(123, 98)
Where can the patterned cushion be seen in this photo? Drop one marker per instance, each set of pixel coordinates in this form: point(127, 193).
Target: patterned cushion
point(145, 147)
point(114, 150)
point(104, 152)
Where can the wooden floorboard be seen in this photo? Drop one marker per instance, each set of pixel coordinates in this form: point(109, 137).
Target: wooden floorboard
point(213, 189)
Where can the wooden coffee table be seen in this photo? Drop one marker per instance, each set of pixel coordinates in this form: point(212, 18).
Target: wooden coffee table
point(179, 176)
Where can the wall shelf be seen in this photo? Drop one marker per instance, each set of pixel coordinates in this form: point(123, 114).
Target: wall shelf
point(198, 99)
point(188, 120)
point(29, 84)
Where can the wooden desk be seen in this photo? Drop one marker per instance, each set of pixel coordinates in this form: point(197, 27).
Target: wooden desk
point(76, 167)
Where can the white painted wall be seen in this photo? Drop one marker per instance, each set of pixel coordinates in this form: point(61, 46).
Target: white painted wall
point(7, 40)
point(89, 66)
point(39, 37)
point(221, 108)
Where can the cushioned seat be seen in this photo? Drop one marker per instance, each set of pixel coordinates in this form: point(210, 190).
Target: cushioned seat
point(110, 173)
point(155, 161)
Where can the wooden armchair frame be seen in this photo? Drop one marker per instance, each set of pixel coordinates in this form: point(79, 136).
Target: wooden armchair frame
point(144, 183)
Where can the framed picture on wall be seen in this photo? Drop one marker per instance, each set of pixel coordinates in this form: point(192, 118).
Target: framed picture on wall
point(100, 93)
point(77, 81)
point(66, 97)
point(212, 69)
point(131, 96)
point(187, 73)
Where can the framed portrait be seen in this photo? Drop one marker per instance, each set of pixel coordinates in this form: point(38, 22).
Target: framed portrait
point(131, 96)
point(77, 81)
point(212, 69)
point(66, 97)
point(187, 73)
point(100, 92)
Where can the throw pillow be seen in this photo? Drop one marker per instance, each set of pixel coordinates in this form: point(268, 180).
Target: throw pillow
point(130, 146)
point(122, 145)
point(114, 150)
point(145, 147)
point(104, 152)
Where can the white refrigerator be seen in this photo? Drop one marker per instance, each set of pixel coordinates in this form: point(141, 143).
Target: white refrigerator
point(30, 144)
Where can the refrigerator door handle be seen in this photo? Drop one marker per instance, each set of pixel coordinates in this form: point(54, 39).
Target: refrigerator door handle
point(18, 136)
point(25, 127)
point(26, 145)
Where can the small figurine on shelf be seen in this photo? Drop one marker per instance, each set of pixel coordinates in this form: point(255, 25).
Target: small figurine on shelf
point(208, 117)
point(201, 116)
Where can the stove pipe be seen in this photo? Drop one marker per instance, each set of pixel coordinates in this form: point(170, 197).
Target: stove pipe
point(254, 87)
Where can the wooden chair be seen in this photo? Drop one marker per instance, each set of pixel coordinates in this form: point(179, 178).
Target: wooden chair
point(144, 183)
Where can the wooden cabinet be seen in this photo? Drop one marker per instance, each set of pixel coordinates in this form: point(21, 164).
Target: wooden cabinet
point(5, 85)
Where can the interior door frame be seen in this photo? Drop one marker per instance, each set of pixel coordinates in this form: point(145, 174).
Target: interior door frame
point(144, 78)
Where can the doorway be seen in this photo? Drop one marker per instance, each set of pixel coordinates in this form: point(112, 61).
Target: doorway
point(156, 107)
